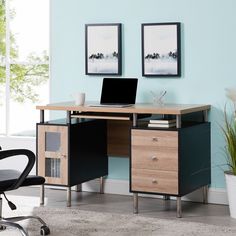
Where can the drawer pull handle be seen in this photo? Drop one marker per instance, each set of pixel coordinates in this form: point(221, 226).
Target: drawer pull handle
point(154, 181)
point(155, 139)
point(154, 158)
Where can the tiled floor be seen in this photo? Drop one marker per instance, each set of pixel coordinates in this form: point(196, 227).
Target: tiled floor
point(194, 212)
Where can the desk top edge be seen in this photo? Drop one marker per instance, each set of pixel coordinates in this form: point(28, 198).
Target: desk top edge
point(139, 108)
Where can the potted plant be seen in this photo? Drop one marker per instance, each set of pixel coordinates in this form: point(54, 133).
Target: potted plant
point(229, 131)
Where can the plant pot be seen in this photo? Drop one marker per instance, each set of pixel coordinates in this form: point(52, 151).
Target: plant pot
point(231, 191)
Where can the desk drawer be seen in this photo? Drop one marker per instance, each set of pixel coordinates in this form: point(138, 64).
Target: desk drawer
point(154, 138)
point(154, 181)
point(154, 158)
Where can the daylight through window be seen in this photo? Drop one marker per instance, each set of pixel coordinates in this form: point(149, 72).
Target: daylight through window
point(24, 64)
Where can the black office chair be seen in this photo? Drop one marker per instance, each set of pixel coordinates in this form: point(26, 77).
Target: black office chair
point(12, 179)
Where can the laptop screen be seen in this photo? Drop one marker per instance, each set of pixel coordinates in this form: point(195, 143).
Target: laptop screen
point(119, 90)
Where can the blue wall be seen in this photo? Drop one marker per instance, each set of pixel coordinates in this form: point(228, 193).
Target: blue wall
point(208, 56)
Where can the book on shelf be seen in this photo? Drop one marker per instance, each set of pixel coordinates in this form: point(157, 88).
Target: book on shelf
point(162, 121)
point(158, 125)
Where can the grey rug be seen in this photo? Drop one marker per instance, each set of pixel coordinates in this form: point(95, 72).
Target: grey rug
point(71, 222)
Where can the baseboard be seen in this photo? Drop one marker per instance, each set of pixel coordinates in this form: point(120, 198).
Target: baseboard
point(215, 195)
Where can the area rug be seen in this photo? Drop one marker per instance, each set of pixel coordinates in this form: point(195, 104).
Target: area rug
point(75, 222)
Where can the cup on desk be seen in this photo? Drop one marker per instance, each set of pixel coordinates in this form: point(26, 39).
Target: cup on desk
point(79, 98)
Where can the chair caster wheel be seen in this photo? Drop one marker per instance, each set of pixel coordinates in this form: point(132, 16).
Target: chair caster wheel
point(44, 230)
point(2, 227)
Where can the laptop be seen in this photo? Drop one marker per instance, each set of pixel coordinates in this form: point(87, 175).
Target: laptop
point(118, 92)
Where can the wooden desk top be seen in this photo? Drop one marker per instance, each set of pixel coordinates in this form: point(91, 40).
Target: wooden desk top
point(139, 108)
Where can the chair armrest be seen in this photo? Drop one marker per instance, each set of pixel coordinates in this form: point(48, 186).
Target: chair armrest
point(31, 160)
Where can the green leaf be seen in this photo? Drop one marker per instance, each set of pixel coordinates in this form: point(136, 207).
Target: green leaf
point(229, 132)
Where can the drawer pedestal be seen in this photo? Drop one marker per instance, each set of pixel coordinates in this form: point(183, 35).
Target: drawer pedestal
point(170, 162)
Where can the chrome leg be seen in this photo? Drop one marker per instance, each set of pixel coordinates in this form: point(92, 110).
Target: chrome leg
point(205, 194)
point(179, 207)
point(68, 196)
point(167, 203)
point(5, 222)
point(0, 208)
point(166, 197)
point(102, 185)
point(14, 225)
point(41, 116)
point(205, 116)
point(135, 201)
point(135, 119)
point(42, 192)
point(178, 121)
point(68, 116)
point(78, 187)
point(2, 227)
point(20, 218)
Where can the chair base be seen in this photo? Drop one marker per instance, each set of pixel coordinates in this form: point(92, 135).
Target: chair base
point(11, 222)
point(6, 224)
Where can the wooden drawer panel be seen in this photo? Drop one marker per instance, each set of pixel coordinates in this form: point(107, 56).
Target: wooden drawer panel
point(154, 181)
point(150, 158)
point(118, 137)
point(61, 153)
point(154, 138)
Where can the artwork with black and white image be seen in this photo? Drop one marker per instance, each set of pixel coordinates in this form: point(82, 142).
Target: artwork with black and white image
point(103, 49)
point(161, 49)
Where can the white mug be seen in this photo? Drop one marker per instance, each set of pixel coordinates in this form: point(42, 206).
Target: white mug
point(79, 98)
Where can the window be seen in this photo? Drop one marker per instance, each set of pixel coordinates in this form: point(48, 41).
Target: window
point(24, 64)
point(2, 69)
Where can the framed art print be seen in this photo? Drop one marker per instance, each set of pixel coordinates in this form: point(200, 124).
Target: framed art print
point(161, 56)
point(103, 49)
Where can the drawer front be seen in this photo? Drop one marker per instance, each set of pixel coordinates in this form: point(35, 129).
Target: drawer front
point(154, 138)
point(154, 159)
point(154, 181)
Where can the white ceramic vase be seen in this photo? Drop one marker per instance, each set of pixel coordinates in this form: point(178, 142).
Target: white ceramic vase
point(231, 191)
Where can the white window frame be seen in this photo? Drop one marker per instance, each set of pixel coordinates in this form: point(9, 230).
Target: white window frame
point(8, 63)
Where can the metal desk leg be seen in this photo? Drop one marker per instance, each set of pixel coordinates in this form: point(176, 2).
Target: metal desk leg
point(205, 194)
point(205, 116)
point(135, 195)
point(166, 197)
point(179, 207)
point(42, 191)
point(135, 201)
point(101, 184)
point(0, 209)
point(68, 117)
point(68, 196)
point(78, 187)
point(205, 188)
point(135, 117)
point(41, 116)
point(178, 121)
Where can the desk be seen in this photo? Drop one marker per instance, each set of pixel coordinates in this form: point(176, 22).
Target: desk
point(191, 135)
point(140, 108)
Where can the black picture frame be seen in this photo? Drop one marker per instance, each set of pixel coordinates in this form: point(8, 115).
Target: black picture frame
point(161, 49)
point(103, 49)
